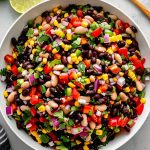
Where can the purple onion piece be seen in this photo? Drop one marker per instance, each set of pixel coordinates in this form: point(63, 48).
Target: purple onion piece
point(9, 111)
point(75, 131)
point(106, 38)
point(58, 41)
point(31, 79)
point(65, 23)
point(96, 84)
point(55, 122)
point(97, 68)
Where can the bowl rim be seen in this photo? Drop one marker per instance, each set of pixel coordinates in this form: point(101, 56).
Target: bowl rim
point(114, 7)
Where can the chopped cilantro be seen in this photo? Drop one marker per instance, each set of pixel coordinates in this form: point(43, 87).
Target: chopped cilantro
point(76, 43)
point(43, 38)
point(44, 138)
point(26, 116)
point(59, 114)
point(70, 122)
point(61, 147)
point(81, 67)
point(30, 32)
point(3, 72)
point(20, 49)
point(62, 125)
point(74, 108)
point(65, 139)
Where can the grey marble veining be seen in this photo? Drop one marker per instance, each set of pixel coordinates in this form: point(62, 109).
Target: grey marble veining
point(141, 140)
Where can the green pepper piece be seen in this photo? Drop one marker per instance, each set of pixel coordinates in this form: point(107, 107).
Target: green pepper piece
point(20, 81)
point(78, 52)
point(109, 32)
point(101, 40)
point(43, 89)
point(68, 91)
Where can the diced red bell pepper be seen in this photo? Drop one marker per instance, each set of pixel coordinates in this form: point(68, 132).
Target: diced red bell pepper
point(78, 84)
point(87, 109)
point(75, 21)
point(57, 56)
point(80, 13)
point(114, 69)
point(66, 99)
point(89, 119)
point(113, 122)
point(133, 58)
point(53, 136)
point(137, 100)
point(42, 119)
point(126, 25)
point(123, 52)
point(15, 83)
point(48, 48)
point(139, 109)
point(122, 122)
point(75, 93)
point(32, 91)
point(14, 70)
point(33, 111)
point(48, 31)
point(33, 128)
point(97, 32)
point(71, 74)
point(94, 118)
point(114, 47)
point(9, 59)
point(14, 107)
point(87, 63)
point(69, 26)
point(104, 87)
point(120, 25)
point(99, 119)
point(117, 31)
point(34, 100)
point(47, 69)
point(63, 78)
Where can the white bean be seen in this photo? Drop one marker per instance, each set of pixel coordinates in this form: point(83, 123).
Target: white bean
point(88, 138)
point(129, 31)
point(98, 61)
point(25, 98)
point(80, 30)
point(104, 139)
point(24, 107)
point(69, 60)
point(56, 72)
point(36, 32)
point(48, 109)
point(11, 96)
point(113, 95)
point(139, 85)
point(84, 122)
point(45, 27)
point(92, 78)
point(47, 93)
point(43, 55)
point(98, 126)
point(54, 80)
point(38, 20)
point(123, 96)
point(118, 58)
point(53, 104)
point(113, 17)
point(101, 108)
point(58, 67)
point(48, 84)
point(89, 18)
point(25, 85)
point(92, 125)
point(100, 49)
point(86, 20)
point(31, 56)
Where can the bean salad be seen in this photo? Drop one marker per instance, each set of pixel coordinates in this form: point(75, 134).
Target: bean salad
point(75, 78)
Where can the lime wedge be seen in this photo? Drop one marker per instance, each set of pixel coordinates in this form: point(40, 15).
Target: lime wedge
point(22, 5)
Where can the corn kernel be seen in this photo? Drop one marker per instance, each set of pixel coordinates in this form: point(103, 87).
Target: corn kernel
point(106, 116)
point(55, 9)
point(20, 90)
point(69, 36)
point(128, 41)
point(99, 91)
point(26, 44)
point(87, 81)
point(105, 76)
point(40, 27)
point(59, 33)
point(5, 93)
point(127, 89)
point(99, 132)
point(8, 67)
point(18, 112)
point(84, 24)
point(74, 59)
point(69, 66)
point(131, 74)
point(75, 76)
point(62, 45)
point(110, 50)
point(80, 58)
point(85, 147)
point(66, 15)
point(71, 85)
point(86, 143)
point(15, 54)
point(121, 74)
point(77, 61)
point(78, 142)
point(44, 131)
point(44, 61)
point(73, 55)
point(39, 69)
point(79, 74)
point(77, 104)
point(67, 47)
point(56, 23)
point(143, 100)
point(42, 108)
point(34, 51)
point(54, 51)
point(115, 79)
point(100, 77)
point(119, 37)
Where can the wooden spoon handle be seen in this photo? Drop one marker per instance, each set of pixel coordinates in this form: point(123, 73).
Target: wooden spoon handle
point(142, 7)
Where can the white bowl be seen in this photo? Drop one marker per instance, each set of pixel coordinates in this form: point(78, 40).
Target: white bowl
point(15, 30)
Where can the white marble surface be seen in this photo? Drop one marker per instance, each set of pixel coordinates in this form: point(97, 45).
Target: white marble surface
point(141, 140)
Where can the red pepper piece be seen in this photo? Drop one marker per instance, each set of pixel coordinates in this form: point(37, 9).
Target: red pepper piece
point(14, 70)
point(122, 122)
point(9, 59)
point(75, 93)
point(87, 109)
point(42, 119)
point(33, 128)
point(34, 100)
point(78, 84)
point(87, 63)
point(113, 122)
point(123, 52)
point(48, 48)
point(139, 109)
point(97, 32)
point(94, 118)
point(80, 13)
point(47, 69)
point(33, 111)
point(63, 78)
point(32, 91)
point(53, 136)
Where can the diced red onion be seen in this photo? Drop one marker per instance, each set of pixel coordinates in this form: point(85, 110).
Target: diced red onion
point(31, 79)
point(65, 23)
point(39, 59)
point(9, 89)
point(9, 110)
point(59, 41)
point(96, 84)
point(97, 67)
point(53, 19)
point(75, 131)
point(83, 134)
point(51, 143)
point(2, 78)
point(67, 106)
point(101, 82)
point(52, 31)
point(55, 122)
point(69, 31)
point(106, 38)
point(70, 16)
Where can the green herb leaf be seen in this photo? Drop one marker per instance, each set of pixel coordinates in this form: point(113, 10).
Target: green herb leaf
point(61, 147)
point(81, 67)
point(65, 139)
point(76, 43)
point(43, 89)
point(26, 116)
point(30, 32)
point(44, 138)
point(3, 72)
point(62, 125)
point(74, 108)
point(59, 114)
point(70, 123)
point(20, 49)
point(43, 38)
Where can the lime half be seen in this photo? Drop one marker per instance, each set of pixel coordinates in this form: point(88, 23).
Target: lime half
point(22, 5)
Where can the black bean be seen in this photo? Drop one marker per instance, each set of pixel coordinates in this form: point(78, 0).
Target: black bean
point(89, 71)
point(25, 92)
point(94, 54)
point(102, 55)
point(106, 13)
point(90, 12)
point(53, 90)
point(110, 87)
point(29, 66)
point(121, 44)
point(41, 81)
point(104, 121)
point(126, 36)
point(19, 125)
point(85, 53)
point(115, 111)
point(90, 54)
point(64, 60)
point(127, 128)
point(90, 92)
point(98, 8)
point(59, 19)
point(59, 90)
point(60, 86)
point(97, 73)
point(85, 46)
point(117, 105)
point(96, 96)
point(19, 102)
point(93, 60)
point(91, 87)
point(109, 57)
point(48, 19)
point(45, 13)
point(57, 100)
point(66, 41)
point(133, 28)
point(132, 49)
point(50, 57)
point(46, 77)
point(14, 41)
point(101, 100)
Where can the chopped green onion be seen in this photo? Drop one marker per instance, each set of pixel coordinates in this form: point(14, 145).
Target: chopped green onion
point(43, 89)
point(78, 52)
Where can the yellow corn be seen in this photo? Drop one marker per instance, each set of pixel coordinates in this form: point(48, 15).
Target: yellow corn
point(40, 27)
point(131, 74)
point(14, 54)
point(69, 36)
point(8, 67)
point(44, 61)
point(87, 81)
point(39, 69)
point(119, 37)
point(56, 23)
point(79, 74)
point(54, 51)
point(59, 33)
point(62, 45)
point(75, 76)
point(55, 9)
point(66, 15)
point(110, 50)
point(121, 74)
point(34, 51)
point(42, 108)
point(77, 104)
point(100, 77)
point(80, 58)
point(128, 41)
point(99, 132)
point(86, 143)
point(99, 91)
point(113, 39)
point(74, 59)
point(67, 47)
point(73, 55)
point(127, 89)
point(20, 90)
point(105, 76)
point(5, 93)
point(71, 85)
point(78, 142)
point(115, 79)
point(85, 147)
point(143, 100)
point(84, 24)
point(77, 61)
point(19, 112)
point(26, 44)
point(35, 134)
point(106, 116)
point(44, 131)
point(69, 66)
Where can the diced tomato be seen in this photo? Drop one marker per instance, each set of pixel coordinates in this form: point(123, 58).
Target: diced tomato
point(33, 111)
point(75, 21)
point(48, 31)
point(33, 128)
point(89, 119)
point(71, 74)
point(66, 99)
point(47, 69)
point(114, 69)
point(117, 31)
point(113, 122)
point(63, 78)
point(137, 100)
point(34, 100)
point(123, 52)
point(78, 84)
point(9, 59)
point(94, 118)
point(83, 41)
point(69, 26)
point(133, 58)
point(87, 109)
point(80, 13)
point(97, 32)
point(139, 109)
point(99, 119)
point(48, 48)
point(120, 25)
point(53, 136)
point(104, 87)
point(139, 65)
point(75, 93)
point(132, 89)
point(42, 119)
point(122, 122)
point(15, 83)
point(14, 107)
point(57, 56)
point(115, 47)
point(126, 25)
point(14, 70)
point(87, 63)
point(32, 91)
